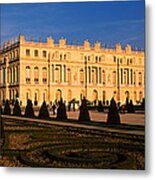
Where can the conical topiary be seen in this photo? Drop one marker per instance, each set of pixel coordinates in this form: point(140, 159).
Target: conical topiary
point(130, 107)
point(29, 112)
point(61, 112)
point(100, 107)
point(7, 110)
point(113, 115)
point(84, 114)
point(43, 112)
point(17, 109)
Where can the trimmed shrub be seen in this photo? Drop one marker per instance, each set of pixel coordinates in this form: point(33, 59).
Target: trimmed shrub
point(7, 110)
point(84, 113)
point(61, 111)
point(17, 109)
point(130, 107)
point(29, 112)
point(43, 112)
point(113, 115)
point(100, 107)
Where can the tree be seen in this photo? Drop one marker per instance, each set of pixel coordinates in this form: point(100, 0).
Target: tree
point(29, 112)
point(17, 109)
point(61, 111)
point(7, 110)
point(84, 114)
point(43, 112)
point(113, 115)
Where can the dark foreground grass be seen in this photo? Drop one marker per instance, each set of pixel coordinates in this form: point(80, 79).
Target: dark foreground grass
point(29, 144)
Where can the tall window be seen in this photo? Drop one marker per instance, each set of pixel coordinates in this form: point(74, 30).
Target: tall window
point(28, 75)
point(44, 75)
point(140, 96)
point(36, 53)
point(140, 78)
point(135, 96)
point(114, 78)
point(57, 75)
point(103, 76)
point(44, 54)
point(125, 77)
point(69, 75)
point(104, 96)
point(36, 75)
point(93, 77)
point(27, 52)
point(81, 76)
point(134, 77)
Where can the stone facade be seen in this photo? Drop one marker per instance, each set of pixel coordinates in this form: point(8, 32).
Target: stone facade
point(46, 71)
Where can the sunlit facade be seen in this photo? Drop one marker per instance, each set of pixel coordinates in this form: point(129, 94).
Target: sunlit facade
point(47, 71)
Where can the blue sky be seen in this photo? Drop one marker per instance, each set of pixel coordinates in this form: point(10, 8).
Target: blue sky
point(107, 22)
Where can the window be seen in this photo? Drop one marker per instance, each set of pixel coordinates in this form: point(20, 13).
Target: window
point(36, 53)
point(44, 75)
point(104, 96)
point(44, 54)
point(114, 59)
point(120, 61)
point(114, 77)
point(28, 75)
point(96, 59)
point(140, 78)
point(103, 76)
point(69, 76)
point(125, 77)
point(81, 76)
point(128, 61)
point(60, 56)
point(36, 75)
point(27, 52)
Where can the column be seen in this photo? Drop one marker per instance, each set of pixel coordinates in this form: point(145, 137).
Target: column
point(52, 73)
point(65, 73)
point(60, 73)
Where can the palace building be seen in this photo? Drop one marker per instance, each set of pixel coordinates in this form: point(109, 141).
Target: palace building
point(47, 71)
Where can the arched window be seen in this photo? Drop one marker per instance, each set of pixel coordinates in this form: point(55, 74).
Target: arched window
point(82, 94)
point(81, 76)
point(114, 78)
point(69, 95)
point(134, 77)
point(45, 95)
point(94, 77)
point(135, 96)
point(125, 77)
point(104, 96)
point(36, 97)
point(103, 77)
point(36, 75)
point(58, 95)
point(60, 56)
point(69, 75)
point(140, 78)
point(44, 75)
point(28, 75)
point(57, 75)
point(95, 96)
point(140, 96)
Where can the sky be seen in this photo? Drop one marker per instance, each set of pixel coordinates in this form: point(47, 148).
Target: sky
point(107, 22)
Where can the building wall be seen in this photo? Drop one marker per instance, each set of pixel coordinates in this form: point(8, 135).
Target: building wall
point(45, 68)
